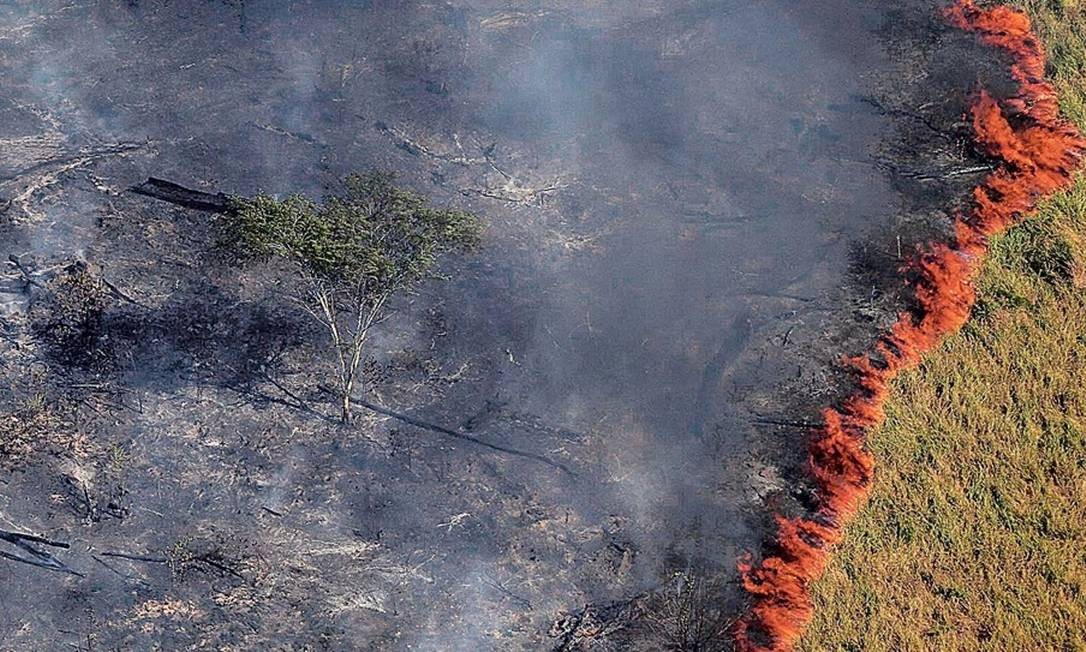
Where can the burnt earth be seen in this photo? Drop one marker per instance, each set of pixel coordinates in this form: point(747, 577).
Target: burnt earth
point(693, 210)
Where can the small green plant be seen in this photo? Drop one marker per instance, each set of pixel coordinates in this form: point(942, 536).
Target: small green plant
point(118, 457)
point(353, 253)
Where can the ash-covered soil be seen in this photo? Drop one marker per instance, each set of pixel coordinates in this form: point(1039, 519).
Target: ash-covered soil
point(693, 209)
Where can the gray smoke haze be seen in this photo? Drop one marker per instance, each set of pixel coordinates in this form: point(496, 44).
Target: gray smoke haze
point(669, 187)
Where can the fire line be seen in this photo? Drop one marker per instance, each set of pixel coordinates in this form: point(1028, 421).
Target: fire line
point(1038, 152)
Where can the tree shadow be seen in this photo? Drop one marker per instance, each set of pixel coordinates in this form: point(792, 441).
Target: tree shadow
point(206, 338)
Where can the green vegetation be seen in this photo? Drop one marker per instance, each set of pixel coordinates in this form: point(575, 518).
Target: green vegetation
point(353, 253)
point(975, 537)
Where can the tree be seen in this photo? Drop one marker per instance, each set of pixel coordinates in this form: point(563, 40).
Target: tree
point(353, 253)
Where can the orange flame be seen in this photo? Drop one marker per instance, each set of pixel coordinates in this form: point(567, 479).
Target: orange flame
point(1037, 152)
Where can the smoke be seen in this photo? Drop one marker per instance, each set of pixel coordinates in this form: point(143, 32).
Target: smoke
point(1038, 152)
point(704, 176)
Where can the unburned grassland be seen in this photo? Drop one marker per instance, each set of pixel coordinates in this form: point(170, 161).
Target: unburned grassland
point(975, 536)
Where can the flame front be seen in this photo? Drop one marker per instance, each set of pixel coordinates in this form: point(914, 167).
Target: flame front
point(1037, 153)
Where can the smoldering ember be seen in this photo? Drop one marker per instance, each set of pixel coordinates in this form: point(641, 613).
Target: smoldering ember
point(465, 325)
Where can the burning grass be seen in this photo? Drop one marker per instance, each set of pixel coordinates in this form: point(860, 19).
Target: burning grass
point(1036, 152)
point(975, 533)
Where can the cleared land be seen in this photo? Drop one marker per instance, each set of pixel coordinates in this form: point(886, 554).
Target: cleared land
point(975, 537)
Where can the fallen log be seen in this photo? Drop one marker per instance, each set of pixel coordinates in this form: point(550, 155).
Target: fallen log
point(17, 537)
point(38, 557)
point(179, 195)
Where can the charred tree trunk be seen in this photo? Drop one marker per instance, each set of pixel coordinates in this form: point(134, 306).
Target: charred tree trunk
point(179, 195)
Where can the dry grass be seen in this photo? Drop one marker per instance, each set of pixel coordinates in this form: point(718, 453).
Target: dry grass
point(975, 537)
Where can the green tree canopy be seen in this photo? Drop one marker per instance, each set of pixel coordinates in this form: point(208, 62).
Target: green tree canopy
point(372, 233)
point(353, 252)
